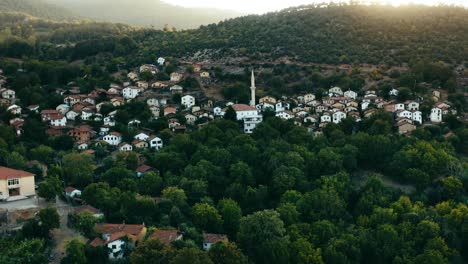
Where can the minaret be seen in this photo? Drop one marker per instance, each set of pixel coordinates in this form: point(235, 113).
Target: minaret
point(252, 89)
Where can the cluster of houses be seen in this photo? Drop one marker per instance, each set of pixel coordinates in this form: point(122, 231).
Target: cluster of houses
point(338, 105)
point(197, 110)
point(117, 238)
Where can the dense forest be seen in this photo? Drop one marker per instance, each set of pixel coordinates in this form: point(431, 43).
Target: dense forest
point(336, 34)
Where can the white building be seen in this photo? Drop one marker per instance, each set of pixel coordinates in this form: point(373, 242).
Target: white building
point(72, 115)
point(125, 147)
point(187, 101)
point(250, 123)
point(60, 121)
point(335, 91)
point(338, 116)
point(141, 136)
point(113, 138)
point(130, 92)
point(285, 115)
point(417, 116)
point(244, 111)
point(350, 94)
point(8, 94)
point(436, 115)
point(161, 61)
point(155, 143)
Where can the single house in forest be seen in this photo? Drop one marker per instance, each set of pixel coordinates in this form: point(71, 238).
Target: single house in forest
point(210, 239)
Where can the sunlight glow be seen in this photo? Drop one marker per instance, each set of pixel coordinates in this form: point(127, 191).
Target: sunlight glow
point(263, 6)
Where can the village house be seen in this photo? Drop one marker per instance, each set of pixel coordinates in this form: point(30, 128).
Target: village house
point(338, 116)
point(335, 91)
point(166, 236)
point(58, 121)
point(113, 138)
point(16, 184)
point(285, 115)
point(14, 109)
point(130, 92)
point(96, 213)
point(149, 68)
point(205, 74)
point(176, 89)
point(412, 105)
point(281, 106)
point(116, 237)
point(436, 115)
point(82, 133)
point(161, 61)
point(405, 126)
point(243, 110)
point(132, 76)
point(8, 94)
point(155, 143)
point(267, 99)
point(326, 117)
point(176, 77)
point(170, 110)
point(351, 94)
point(393, 92)
point(141, 136)
point(125, 147)
point(140, 144)
point(48, 114)
point(210, 239)
point(190, 119)
point(72, 192)
point(142, 84)
point(72, 115)
point(187, 101)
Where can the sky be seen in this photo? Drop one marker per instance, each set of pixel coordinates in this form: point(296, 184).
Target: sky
point(264, 6)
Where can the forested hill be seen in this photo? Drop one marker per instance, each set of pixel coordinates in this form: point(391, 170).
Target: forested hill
point(334, 34)
point(145, 12)
point(37, 8)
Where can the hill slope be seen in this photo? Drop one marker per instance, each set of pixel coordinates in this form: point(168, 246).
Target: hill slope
point(333, 34)
point(36, 8)
point(144, 12)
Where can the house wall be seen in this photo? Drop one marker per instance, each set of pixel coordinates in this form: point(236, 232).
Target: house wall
point(26, 185)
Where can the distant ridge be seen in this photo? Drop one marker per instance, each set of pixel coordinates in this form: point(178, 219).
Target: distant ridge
point(144, 12)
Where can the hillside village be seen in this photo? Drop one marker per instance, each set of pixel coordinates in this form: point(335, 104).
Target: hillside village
point(197, 110)
point(91, 119)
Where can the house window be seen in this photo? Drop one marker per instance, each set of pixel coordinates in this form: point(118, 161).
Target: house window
point(114, 246)
point(13, 182)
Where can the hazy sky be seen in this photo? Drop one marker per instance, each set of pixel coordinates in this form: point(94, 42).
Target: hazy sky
point(263, 6)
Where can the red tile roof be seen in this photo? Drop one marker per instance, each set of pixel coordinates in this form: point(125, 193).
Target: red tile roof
point(7, 173)
point(165, 236)
point(114, 228)
point(143, 168)
point(243, 107)
point(213, 238)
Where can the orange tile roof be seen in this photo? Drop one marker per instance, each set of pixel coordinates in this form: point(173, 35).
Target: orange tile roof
point(243, 107)
point(165, 236)
point(7, 173)
point(213, 238)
